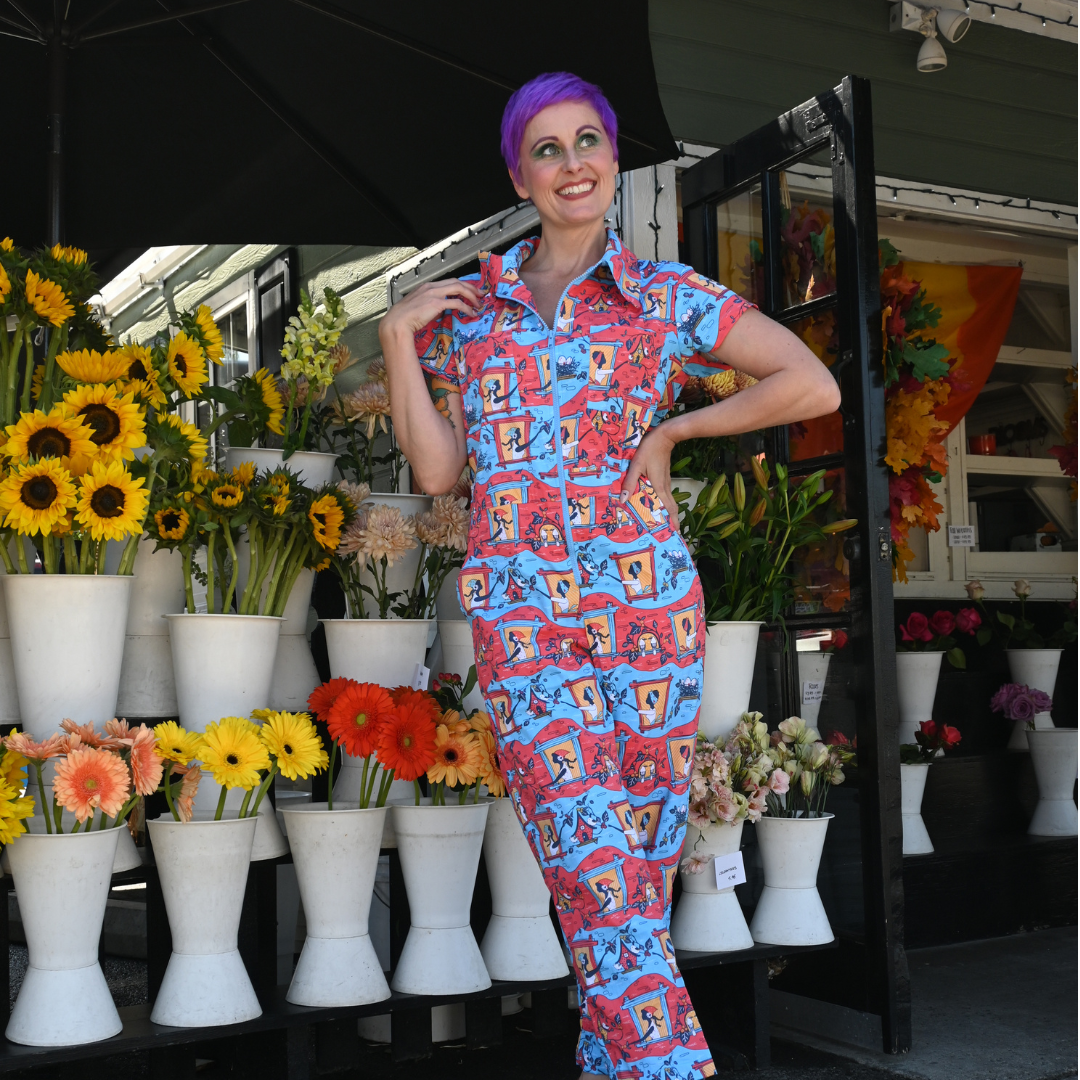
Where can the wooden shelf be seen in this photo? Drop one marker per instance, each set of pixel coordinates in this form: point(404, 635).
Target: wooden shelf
point(1043, 469)
point(1012, 356)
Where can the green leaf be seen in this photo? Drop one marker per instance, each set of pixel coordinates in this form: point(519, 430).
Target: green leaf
point(927, 359)
point(241, 433)
point(957, 658)
point(984, 635)
point(1006, 620)
point(223, 396)
point(470, 682)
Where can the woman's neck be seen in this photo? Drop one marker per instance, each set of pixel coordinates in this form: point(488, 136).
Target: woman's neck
point(567, 252)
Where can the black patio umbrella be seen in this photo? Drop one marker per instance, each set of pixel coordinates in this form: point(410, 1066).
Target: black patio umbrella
point(130, 124)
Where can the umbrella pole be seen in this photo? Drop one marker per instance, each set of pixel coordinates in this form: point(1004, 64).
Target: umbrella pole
point(57, 60)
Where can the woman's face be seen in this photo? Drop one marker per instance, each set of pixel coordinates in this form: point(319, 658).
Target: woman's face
point(566, 164)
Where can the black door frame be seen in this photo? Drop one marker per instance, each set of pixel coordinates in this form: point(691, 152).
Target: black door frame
point(841, 119)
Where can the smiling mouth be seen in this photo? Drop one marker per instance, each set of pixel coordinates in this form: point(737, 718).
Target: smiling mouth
point(584, 187)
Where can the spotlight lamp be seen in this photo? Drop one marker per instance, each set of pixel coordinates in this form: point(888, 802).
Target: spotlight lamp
point(952, 25)
point(929, 22)
point(931, 55)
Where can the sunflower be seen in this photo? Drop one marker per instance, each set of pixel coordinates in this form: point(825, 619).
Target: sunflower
point(327, 517)
point(244, 473)
point(112, 504)
point(58, 434)
point(5, 285)
point(279, 505)
point(357, 716)
point(75, 256)
point(172, 523)
point(227, 496)
point(88, 365)
point(272, 399)
point(141, 377)
point(174, 743)
point(48, 299)
point(187, 365)
point(116, 421)
point(211, 335)
point(406, 742)
point(322, 698)
point(292, 740)
point(192, 443)
point(36, 498)
point(233, 754)
point(458, 759)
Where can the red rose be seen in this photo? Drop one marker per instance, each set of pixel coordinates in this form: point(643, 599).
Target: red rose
point(942, 623)
point(839, 639)
point(917, 628)
point(968, 620)
point(929, 728)
point(950, 736)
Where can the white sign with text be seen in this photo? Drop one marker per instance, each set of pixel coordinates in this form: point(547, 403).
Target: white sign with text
point(812, 691)
point(729, 870)
point(961, 536)
point(420, 677)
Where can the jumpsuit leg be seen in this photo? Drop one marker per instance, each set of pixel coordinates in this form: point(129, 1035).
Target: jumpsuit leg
point(608, 849)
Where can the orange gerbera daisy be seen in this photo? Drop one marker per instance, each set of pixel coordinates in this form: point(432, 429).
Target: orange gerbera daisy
point(490, 776)
point(357, 716)
point(89, 780)
point(407, 741)
point(323, 697)
point(458, 759)
point(146, 764)
point(121, 730)
point(87, 736)
point(21, 743)
point(402, 695)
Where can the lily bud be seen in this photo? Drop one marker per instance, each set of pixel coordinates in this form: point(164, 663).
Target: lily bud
point(714, 491)
point(758, 512)
point(840, 526)
point(760, 478)
point(740, 493)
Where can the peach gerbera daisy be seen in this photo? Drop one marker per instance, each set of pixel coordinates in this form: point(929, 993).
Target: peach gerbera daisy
point(146, 763)
point(88, 780)
point(87, 736)
point(120, 729)
point(185, 801)
point(323, 697)
point(458, 759)
point(22, 744)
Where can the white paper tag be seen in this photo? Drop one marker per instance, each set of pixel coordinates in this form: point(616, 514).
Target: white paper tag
point(812, 691)
point(420, 677)
point(729, 870)
point(961, 536)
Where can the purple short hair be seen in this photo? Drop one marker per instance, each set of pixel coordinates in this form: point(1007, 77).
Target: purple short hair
point(536, 95)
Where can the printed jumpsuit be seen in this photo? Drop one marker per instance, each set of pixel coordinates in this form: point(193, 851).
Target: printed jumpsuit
point(587, 616)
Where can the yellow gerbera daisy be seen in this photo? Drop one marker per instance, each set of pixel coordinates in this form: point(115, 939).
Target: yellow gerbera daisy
point(244, 473)
point(90, 366)
point(272, 399)
point(112, 504)
point(327, 517)
point(187, 365)
point(175, 743)
point(14, 808)
point(233, 753)
point(36, 498)
point(75, 256)
point(141, 377)
point(293, 740)
point(57, 434)
point(215, 349)
point(5, 285)
point(196, 444)
point(117, 422)
point(48, 299)
point(172, 523)
point(227, 496)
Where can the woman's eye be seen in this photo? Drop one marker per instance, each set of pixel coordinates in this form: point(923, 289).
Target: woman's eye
point(589, 141)
point(548, 150)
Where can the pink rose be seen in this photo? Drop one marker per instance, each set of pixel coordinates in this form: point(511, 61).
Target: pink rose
point(1042, 702)
point(917, 628)
point(942, 623)
point(1021, 707)
point(968, 620)
point(1001, 701)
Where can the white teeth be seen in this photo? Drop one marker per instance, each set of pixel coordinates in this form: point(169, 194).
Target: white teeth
point(577, 189)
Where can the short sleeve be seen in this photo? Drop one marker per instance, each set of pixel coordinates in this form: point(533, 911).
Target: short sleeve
point(437, 352)
point(704, 314)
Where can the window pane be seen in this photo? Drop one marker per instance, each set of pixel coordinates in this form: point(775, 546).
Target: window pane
point(234, 336)
point(740, 258)
point(824, 434)
point(823, 576)
point(807, 254)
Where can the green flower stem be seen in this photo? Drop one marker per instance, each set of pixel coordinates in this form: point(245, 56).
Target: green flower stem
point(363, 783)
point(57, 343)
point(71, 558)
point(279, 566)
point(21, 331)
point(384, 787)
point(285, 588)
point(84, 556)
point(28, 375)
point(41, 796)
point(476, 790)
point(169, 796)
point(330, 774)
point(99, 564)
point(189, 592)
point(131, 549)
point(210, 605)
point(223, 418)
point(267, 555)
point(226, 604)
point(20, 554)
point(48, 551)
point(416, 788)
point(264, 787)
point(255, 549)
point(127, 808)
point(101, 820)
point(244, 805)
point(221, 804)
point(366, 799)
point(58, 815)
point(9, 566)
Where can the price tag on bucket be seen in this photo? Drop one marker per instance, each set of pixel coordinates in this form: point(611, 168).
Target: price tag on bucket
point(420, 677)
point(729, 870)
point(812, 691)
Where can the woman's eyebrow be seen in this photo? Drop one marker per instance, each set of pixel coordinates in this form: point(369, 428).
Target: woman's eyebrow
point(543, 139)
point(586, 127)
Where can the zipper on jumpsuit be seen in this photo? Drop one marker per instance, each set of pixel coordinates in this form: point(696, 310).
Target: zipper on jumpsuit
point(556, 438)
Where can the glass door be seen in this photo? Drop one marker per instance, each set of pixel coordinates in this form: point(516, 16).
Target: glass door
point(786, 216)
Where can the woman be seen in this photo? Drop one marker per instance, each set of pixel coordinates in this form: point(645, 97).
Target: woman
point(540, 314)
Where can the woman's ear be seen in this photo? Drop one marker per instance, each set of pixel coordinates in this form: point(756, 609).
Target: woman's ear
point(522, 193)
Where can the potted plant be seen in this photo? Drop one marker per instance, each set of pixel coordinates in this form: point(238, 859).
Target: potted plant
point(791, 834)
point(814, 669)
point(931, 740)
point(923, 642)
point(62, 875)
point(1033, 657)
point(727, 788)
point(743, 543)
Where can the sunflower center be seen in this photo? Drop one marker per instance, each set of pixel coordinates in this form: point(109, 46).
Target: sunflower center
point(107, 501)
point(232, 759)
point(170, 521)
point(137, 370)
point(181, 364)
point(105, 423)
point(49, 442)
point(39, 493)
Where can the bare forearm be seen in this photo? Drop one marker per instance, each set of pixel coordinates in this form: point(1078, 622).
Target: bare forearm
point(427, 439)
